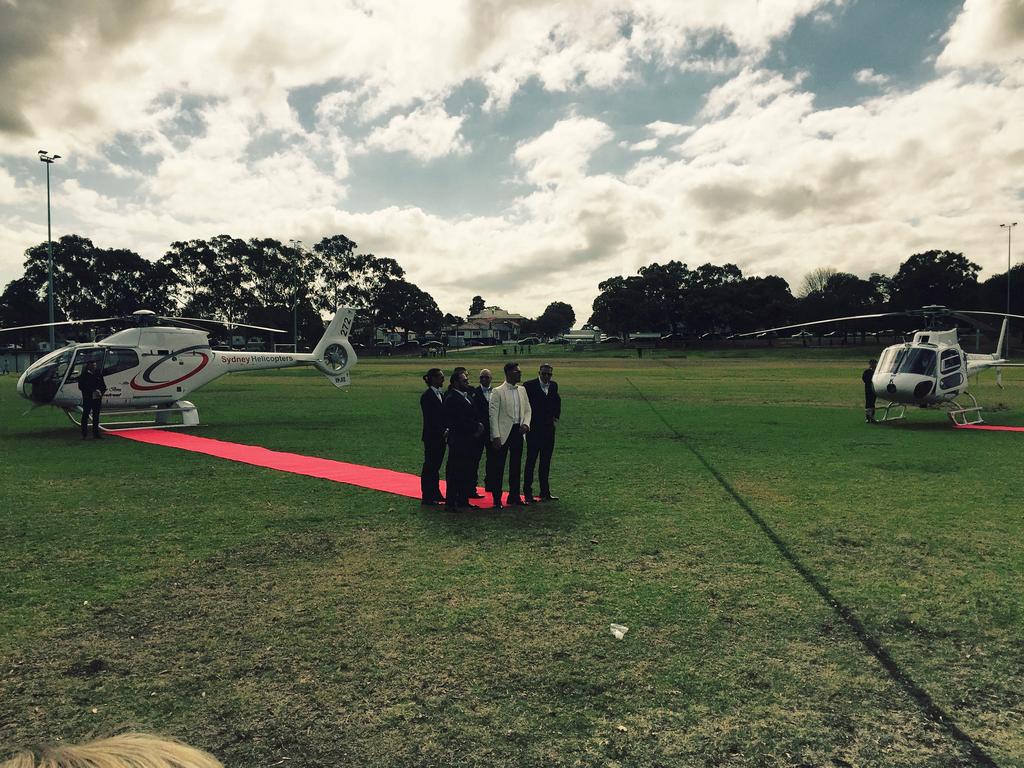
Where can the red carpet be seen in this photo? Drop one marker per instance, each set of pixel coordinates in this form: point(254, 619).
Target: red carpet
point(387, 480)
point(990, 427)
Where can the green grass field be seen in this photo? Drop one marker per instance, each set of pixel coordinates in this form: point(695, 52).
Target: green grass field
point(801, 589)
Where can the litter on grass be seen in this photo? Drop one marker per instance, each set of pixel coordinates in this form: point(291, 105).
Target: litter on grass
point(619, 630)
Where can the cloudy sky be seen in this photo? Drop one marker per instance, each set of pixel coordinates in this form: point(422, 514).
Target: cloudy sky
point(521, 149)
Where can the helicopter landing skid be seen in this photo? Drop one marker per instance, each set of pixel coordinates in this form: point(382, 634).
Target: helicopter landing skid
point(159, 417)
point(964, 417)
point(902, 412)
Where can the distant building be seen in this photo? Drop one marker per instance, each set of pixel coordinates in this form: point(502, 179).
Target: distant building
point(492, 325)
point(395, 337)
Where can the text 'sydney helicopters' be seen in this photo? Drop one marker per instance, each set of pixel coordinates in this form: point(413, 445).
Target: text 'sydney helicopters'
point(149, 370)
point(931, 370)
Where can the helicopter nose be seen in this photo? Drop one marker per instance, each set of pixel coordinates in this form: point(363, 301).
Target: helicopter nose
point(906, 388)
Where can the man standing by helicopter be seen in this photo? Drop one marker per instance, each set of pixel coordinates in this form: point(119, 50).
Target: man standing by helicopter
point(92, 386)
point(869, 392)
point(431, 404)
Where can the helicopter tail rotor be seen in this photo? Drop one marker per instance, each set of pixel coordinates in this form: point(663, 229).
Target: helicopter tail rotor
point(333, 355)
point(1002, 338)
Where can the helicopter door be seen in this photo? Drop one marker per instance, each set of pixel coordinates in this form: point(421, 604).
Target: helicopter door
point(118, 367)
point(69, 392)
point(951, 373)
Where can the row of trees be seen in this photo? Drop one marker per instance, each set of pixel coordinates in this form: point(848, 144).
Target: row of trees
point(256, 281)
point(262, 281)
point(672, 298)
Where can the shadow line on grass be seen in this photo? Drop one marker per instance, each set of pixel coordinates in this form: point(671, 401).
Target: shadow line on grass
point(931, 710)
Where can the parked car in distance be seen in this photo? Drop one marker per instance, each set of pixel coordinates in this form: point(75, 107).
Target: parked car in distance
point(529, 341)
point(611, 339)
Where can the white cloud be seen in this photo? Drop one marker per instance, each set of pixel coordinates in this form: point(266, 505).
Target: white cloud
point(986, 32)
point(647, 145)
point(10, 192)
point(426, 133)
point(562, 153)
point(664, 130)
point(870, 77)
point(103, 70)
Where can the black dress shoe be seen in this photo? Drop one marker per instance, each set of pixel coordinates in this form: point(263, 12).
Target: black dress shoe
point(514, 502)
point(431, 503)
point(549, 497)
point(528, 499)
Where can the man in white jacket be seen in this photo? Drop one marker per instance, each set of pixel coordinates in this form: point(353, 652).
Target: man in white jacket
point(509, 415)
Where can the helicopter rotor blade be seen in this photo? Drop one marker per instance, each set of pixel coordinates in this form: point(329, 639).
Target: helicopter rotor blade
point(179, 321)
point(64, 322)
point(227, 323)
point(820, 322)
point(982, 312)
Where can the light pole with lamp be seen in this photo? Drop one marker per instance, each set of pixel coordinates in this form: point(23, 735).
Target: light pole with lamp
point(47, 158)
point(1009, 241)
point(297, 245)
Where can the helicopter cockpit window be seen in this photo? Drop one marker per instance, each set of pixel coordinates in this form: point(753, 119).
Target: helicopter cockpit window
point(118, 360)
point(918, 361)
point(41, 385)
point(891, 359)
point(950, 361)
point(82, 359)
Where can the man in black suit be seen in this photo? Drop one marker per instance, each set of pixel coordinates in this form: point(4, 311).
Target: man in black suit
point(92, 387)
point(464, 430)
point(540, 440)
point(481, 398)
point(869, 392)
point(431, 404)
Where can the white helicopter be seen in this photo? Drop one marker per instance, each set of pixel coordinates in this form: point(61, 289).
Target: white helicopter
point(932, 369)
point(152, 368)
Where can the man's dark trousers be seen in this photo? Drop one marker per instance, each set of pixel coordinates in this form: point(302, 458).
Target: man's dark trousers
point(458, 472)
point(430, 476)
point(513, 451)
point(91, 405)
point(481, 444)
point(540, 442)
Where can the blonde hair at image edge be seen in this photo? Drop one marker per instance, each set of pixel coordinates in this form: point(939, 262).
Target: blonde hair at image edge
point(130, 750)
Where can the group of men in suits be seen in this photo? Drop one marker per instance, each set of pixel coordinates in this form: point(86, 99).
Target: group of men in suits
point(471, 421)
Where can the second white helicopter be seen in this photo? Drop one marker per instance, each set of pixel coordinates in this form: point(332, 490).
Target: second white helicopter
point(930, 370)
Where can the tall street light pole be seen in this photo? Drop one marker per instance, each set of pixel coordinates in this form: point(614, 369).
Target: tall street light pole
point(47, 158)
point(1009, 241)
point(297, 245)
